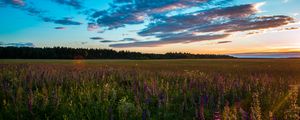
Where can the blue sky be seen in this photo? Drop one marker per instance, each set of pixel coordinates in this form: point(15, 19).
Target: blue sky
point(195, 26)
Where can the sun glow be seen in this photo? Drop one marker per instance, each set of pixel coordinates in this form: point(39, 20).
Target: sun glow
point(257, 6)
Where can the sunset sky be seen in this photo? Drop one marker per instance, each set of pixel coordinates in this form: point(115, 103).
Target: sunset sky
point(155, 26)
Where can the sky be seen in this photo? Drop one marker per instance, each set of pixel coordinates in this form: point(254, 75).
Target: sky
point(155, 26)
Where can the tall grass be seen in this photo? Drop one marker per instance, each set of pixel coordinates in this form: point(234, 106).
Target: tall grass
point(196, 89)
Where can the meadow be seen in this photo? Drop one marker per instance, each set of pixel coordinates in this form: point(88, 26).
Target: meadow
point(204, 89)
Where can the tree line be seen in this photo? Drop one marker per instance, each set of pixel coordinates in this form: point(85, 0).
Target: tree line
point(84, 53)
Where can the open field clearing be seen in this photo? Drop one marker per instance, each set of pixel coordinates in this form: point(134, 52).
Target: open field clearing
point(230, 89)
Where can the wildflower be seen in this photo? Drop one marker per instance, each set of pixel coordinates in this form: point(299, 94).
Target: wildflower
point(217, 116)
point(271, 117)
point(201, 110)
point(255, 108)
point(226, 112)
point(294, 110)
point(144, 115)
point(229, 114)
point(30, 101)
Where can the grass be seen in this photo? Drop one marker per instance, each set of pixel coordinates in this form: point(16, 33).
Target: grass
point(150, 89)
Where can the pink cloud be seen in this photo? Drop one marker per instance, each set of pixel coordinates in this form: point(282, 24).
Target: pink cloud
point(18, 2)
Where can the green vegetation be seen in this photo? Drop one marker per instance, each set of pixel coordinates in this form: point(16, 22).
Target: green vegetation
point(231, 89)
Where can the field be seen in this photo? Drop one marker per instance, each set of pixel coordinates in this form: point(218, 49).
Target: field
point(229, 89)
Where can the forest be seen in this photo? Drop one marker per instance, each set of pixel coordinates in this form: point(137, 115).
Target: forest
point(84, 53)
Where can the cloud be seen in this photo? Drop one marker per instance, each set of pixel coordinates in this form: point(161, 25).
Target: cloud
point(123, 40)
point(67, 21)
point(295, 14)
point(247, 24)
point(60, 28)
point(64, 21)
point(31, 9)
point(19, 3)
point(92, 26)
point(171, 39)
point(107, 41)
point(227, 20)
point(128, 12)
point(292, 28)
point(223, 42)
point(288, 28)
point(129, 39)
point(117, 20)
point(253, 32)
point(258, 23)
point(19, 44)
point(208, 20)
point(73, 3)
point(96, 38)
point(97, 14)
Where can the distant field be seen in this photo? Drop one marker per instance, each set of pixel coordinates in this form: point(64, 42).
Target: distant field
point(150, 89)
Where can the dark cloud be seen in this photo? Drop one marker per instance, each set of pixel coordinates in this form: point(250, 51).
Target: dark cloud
point(208, 19)
point(97, 14)
point(117, 20)
point(253, 32)
point(177, 28)
point(259, 23)
point(114, 41)
point(127, 12)
point(228, 19)
point(64, 21)
point(60, 28)
point(129, 39)
point(67, 21)
point(21, 5)
point(180, 38)
point(19, 44)
point(107, 41)
point(73, 3)
point(164, 5)
point(96, 38)
point(31, 10)
point(246, 24)
point(223, 42)
point(92, 26)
